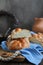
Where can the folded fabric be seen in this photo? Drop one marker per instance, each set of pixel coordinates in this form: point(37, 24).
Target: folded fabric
point(32, 54)
point(32, 32)
point(36, 46)
point(4, 46)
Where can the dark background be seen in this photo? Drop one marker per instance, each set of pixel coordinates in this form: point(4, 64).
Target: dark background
point(24, 10)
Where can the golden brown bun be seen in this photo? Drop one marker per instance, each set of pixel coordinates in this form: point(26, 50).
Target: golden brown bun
point(18, 29)
point(38, 25)
point(18, 39)
point(18, 44)
point(37, 38)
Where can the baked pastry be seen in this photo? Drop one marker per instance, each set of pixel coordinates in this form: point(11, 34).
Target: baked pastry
point(18, 39)
point(18, 44)
point(20, 33)
point(37, 38)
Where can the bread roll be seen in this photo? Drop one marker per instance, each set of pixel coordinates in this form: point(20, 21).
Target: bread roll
point(18, 44)
point(18, 39)
point(37, 38)
point(20, 33)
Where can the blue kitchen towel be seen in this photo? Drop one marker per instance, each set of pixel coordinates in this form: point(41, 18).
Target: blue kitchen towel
point(32, 54)
point(36, 46)
point(32, 32)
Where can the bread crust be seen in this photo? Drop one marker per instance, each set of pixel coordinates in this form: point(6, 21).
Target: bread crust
point(37, 38)
point(20, 41)
point(18, 44)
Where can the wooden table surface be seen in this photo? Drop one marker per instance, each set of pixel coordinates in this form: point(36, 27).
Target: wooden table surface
point(16, 63)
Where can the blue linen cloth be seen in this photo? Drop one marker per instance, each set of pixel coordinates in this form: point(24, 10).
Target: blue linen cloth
point(32, 54)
